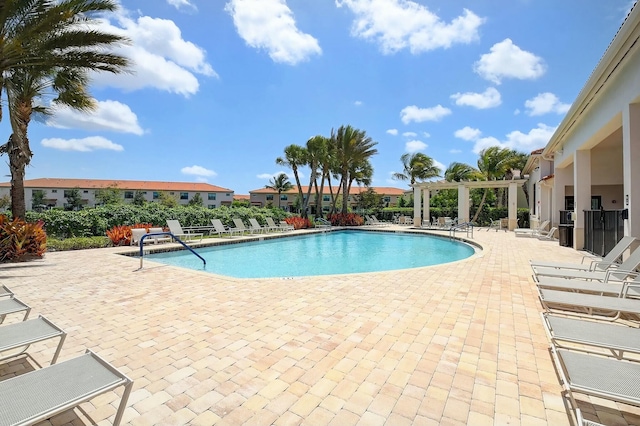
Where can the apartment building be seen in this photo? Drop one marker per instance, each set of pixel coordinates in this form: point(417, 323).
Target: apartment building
point(56, 191)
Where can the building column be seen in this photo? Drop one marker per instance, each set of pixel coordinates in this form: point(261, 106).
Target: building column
point(463, 203)
point(417, 220)
point(512, 202)
point(562, 178)
point(631, 171)
point(426, 207)
point(581, 194)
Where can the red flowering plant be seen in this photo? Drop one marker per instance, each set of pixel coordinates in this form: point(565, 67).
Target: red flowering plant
point(349, 219)
point(298, 222)
point(20, 240)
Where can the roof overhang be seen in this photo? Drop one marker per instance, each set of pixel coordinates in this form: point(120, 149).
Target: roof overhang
point(472, 184)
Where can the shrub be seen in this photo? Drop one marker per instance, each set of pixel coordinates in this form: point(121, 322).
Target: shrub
point(298, 222)
point(349, 219)
point(77, 243)
point(120, 235)
point(20, 240)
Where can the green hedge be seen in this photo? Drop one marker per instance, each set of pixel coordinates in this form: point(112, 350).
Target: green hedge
point(484, 218)
point(96, 221)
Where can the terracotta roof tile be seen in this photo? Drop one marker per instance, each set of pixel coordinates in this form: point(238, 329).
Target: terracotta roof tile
point(142, 185)
point(354, 190)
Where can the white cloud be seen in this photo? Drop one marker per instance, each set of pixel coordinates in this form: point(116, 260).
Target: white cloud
point(179, 4)
point(160, 57)
point(357, 103)
point(439, 165)
point(268, 176)
point(467, 133)
point(506, 60)
point(399, 24)
point(490, 98)
point(455, 151)
point(426, 134)
point(393, 132)
point(198, 171)
point(269, 25)
point(413, 113)
point(91, 143)
point(410, 134)
point(415, 146)
point(108, 115)
point(545, 103)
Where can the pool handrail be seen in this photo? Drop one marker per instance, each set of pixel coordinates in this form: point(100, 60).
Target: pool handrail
point(464, 226)
point(172, 236)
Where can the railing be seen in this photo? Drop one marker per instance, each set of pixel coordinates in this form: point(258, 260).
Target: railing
point(172, 236)
point(465, 226)
point(602, 230)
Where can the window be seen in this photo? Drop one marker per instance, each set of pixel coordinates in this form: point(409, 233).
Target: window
point(85, 192)
point(269, 197)
point(283, 197)
point(326, 198)
point(144, 192)
point(67, 193)
point(227, 194)
point(184, 195)
point(387, 199)
point(211, 206)
point(172, 193)
point(54, 191)
point(128, 194)
point(211, 196)
point(156, 195)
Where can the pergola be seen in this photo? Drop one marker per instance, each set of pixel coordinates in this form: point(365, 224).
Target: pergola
point(463, 197)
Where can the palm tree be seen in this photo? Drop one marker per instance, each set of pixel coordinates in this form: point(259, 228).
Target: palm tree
point(457, 172)
point(494, 162)
point(417, 166)
point(316, 151)
point(281, 184)
point(295, 156)
point(48, 47)
point(353, 150)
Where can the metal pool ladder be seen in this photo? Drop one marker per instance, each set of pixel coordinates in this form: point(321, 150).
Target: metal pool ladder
point(465, 226)
point(172, 236)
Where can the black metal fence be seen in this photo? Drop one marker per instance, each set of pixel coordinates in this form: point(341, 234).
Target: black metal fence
point(602, 230)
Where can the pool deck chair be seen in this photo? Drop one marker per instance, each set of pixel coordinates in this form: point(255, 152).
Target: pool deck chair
point(38, 395)
point(614, 272)
point(603, 377)
point(11, 305)
point(220, 229)
point(240, 226)
point(157, 239)
point(273, 225)
point(176, 229)
point(592, 264)
point(286, 226)
point(584, 335)
point(531, 232)
point(626, 288)
point(4, 291)
point(16, 338)
point(254, 225)
point(592, 305)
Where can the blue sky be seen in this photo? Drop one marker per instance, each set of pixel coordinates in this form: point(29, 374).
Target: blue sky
point(217, 89)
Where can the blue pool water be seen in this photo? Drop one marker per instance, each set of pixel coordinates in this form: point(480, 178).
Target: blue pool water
point(341, 252)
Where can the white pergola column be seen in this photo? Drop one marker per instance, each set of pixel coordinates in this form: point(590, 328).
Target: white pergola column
point(512, 202)
point(581, 194)
point(417, 220)
point(562, 178)
point(463, 204)
point(426, 207)
point(631, 171)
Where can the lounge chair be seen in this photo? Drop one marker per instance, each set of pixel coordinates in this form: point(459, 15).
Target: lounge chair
point(614, 272)
point(594, 264)
point(159, 238)
point(16, 338)
point(582, 334)
point(176, 229)
point(376, 221)
point(280, 228)
point(497, 225)
point(4, 291)
point(532, 232)
point(240, 226)
point(254, 225)
point(596, 306)
point(628, 288)
point(38, 395)
point(287, 226)
point(603, 377)
point(548, 235)
point(136, 236)
point(11, 305)
point(221, 230)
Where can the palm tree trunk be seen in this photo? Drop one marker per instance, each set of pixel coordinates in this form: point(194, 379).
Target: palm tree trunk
point(17, 163)
point(484, 196)
point(345, 190)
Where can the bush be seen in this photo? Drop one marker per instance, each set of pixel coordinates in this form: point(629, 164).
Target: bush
point(349, 219)
point(120, 235)
point(78, 243)
point(298, 222)
point(20, 240)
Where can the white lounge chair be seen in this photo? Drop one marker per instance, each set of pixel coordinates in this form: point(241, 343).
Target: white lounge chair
point(176, 229)
point(614, 272)
point(11, 305)
point(136, 236)
point(38, 395)
point(604, 307)
point(280, 228)
point(287, 226)
point(240, 226)
point(593, 264)
point(4, 291)
point(16, 338)
point(254, 225)
point(221, 230)
point(628, 288)
point(532, 232)
point(159, 238)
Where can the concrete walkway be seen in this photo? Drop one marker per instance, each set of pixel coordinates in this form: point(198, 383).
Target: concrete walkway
point(453, 344)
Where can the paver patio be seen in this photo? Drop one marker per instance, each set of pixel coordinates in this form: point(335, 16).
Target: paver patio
point(454, 344)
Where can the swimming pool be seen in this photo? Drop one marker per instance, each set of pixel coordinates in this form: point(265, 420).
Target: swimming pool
point(338, 252)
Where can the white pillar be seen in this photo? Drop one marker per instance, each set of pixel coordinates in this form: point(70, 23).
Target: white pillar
point(562, 178)
point(463, 204)
point(631, 171)
point(581, 194)
point(426, 207)
point(512, 202)
point(417, 220)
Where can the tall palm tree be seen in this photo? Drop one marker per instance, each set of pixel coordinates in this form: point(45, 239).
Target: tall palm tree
point(295, 156)
point(494, 162)
point(417, 166)
point(316, 151)
point(353, 148)
point(457, 172)
point(281, 184)
point(48, 47)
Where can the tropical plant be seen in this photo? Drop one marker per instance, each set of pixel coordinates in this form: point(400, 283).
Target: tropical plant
point(20, 240)
point(298, 222)
point(281, 184)
point(196, 200)
point(138, 198)
point(353, 148)
point(48, 47)
point(369, 199)
point(167, 200)
point(317, 152)
point(5, 202)
point(108, 196)
point(417, 166)
point(295, 156)
point(74, 199)
point(37, 199)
